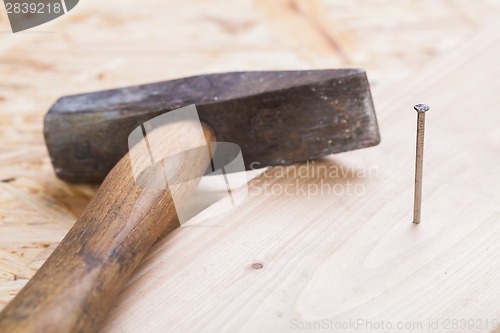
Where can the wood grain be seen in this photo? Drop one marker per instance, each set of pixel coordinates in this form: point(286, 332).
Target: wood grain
point(79, 282)
point(305, 256)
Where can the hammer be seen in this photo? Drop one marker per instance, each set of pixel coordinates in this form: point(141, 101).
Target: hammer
point(275, 117)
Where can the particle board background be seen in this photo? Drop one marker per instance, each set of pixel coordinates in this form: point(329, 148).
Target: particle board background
point(114, 43)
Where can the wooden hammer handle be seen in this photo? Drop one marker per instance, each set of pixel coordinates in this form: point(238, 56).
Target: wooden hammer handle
point(78, 283)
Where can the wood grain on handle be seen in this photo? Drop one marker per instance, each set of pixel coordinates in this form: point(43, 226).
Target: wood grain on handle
point(76, 286)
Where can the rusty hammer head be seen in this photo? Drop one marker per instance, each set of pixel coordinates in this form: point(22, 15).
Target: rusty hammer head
point(276, 117)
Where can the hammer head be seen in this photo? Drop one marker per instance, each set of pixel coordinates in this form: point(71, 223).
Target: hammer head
point(276, 117)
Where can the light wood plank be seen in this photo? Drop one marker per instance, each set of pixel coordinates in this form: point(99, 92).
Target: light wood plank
point(280, 259)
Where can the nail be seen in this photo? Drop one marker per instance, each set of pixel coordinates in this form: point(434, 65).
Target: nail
point(419, 161)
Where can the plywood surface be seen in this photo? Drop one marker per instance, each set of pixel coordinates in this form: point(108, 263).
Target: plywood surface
point(309, 249)
point(104, 44)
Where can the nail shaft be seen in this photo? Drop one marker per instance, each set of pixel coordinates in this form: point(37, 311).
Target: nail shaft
point(419, 161)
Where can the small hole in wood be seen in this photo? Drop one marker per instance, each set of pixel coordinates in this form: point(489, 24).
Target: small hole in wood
point(257, 265)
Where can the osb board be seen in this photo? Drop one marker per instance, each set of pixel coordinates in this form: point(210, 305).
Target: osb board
point(103, 44)
point(332, 246)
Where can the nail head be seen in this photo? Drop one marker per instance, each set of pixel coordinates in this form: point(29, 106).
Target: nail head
point(421, 107)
